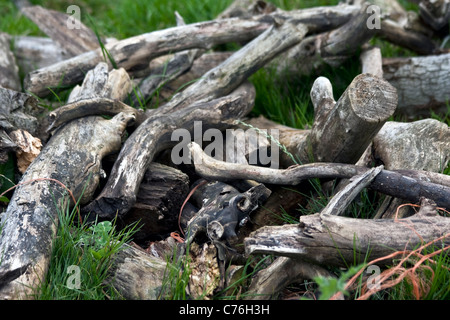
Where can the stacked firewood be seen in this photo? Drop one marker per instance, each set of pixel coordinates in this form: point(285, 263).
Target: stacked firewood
point(131, 152)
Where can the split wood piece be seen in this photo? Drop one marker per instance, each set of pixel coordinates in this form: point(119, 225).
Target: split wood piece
point(137, 275)
point(372, 62)
point(101, 83)
point(200, 66)
point(142, 48)
point(331, 48)
point(177, 65)
point(422, 83)
point(281, 273)
point(341, 200)
point(94, 106)
point(394, 183)
point(30, 222)
point(28, 148)
point(9, 71)
point(158, 202)
point(435, 13)
point(18, 110)
point(414, 41)
point(154, 135)
point(232, 72)
point(72, 158)
point(67, 31)
point(339, 241)
point(420, 145)
point(343, 133)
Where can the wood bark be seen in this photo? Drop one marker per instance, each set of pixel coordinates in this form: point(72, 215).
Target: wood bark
point(30, 222)
point(200, 66)
point(404, 184)
point(414, 41)
point(281, 273)
point(69, 33)
point(343, 133)
point(8, 68)
point(372, 62)
point(422, 83)
point(232, 72)
point(338, 241)
point(137, 275)
point(158, 202)
point(154, 135)
point(427, 149)
point(142, 48)
point(18, 110)
point(331, 48)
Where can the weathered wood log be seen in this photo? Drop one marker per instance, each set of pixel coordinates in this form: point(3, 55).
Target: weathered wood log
point(28, 148)
point(422, 83)
point(9, 71)
point(343, 133)
point(101, 83)
point(342, 199)
point(137, 275)
point(428, 149)
point(331, 48)
point(340, 241)
point(30, 222)
point(154, 135)
point(395, 183)
point(158, 202)
point(372, 62)
point(200, 66)
point(177, 65)
point(232, 72)
point(281, 273)
point(31, 219)
point(140, 49)
point(67, 31)
point(18, 110)
point(94, 106)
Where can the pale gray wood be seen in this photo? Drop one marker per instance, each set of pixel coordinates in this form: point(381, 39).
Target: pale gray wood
point(339, 241)
point(9, 72)
point(343, 133)
point(405, 184)
point(72, 157)
point(142, 48)
point(232, 72)
point(422, 83)
point(54, 23)
point(154, 135)
point(137, 275)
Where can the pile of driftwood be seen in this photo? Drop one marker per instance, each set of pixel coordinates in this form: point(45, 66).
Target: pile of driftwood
point(74, 153)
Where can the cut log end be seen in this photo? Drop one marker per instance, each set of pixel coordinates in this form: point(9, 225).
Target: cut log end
point(373, 99)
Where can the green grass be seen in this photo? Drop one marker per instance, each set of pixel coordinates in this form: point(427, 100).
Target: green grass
point(282, 99)
point(81, 259)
